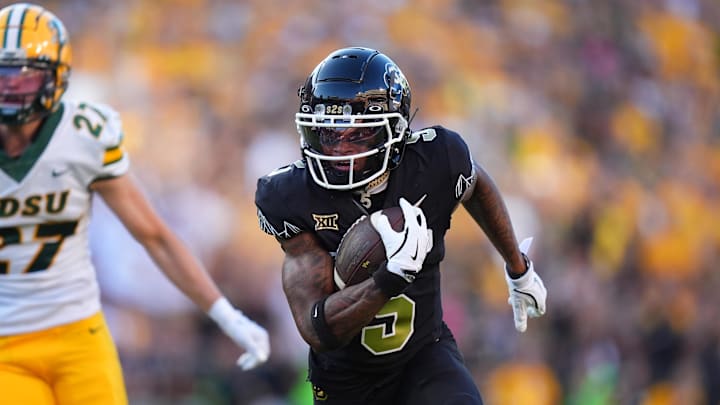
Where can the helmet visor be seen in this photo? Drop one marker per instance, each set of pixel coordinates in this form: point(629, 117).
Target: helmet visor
point(19, 85)
point(343, 136)
point(346, 151)
point(344, 140)
point(346, 143)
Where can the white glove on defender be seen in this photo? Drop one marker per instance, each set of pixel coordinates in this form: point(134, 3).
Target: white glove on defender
point(243, 331)
point(405, 250)
point(527, 293)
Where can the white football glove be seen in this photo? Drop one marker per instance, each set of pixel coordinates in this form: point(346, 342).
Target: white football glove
point(527, 293)
point(243, 331)
point(405, 250)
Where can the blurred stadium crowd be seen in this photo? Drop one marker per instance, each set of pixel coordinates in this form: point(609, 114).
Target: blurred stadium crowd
point(599, 120)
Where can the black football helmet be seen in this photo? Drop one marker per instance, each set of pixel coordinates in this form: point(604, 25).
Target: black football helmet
point(354, 118)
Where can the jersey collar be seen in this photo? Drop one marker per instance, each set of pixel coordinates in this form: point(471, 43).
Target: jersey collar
point(18, 168)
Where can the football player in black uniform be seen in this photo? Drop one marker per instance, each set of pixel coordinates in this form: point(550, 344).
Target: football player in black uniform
point(381, 341)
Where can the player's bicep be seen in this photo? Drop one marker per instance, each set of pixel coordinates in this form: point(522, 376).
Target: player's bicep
point(307, 278)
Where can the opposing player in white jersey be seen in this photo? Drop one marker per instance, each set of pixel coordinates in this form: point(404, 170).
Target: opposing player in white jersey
point(54, 155)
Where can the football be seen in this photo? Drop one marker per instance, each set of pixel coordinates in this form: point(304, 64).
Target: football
point(361, 250)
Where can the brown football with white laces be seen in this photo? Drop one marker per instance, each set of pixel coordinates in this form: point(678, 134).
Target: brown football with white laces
point(361, 250)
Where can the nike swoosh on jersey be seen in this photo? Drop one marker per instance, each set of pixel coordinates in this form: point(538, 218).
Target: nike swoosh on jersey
point(59, 172)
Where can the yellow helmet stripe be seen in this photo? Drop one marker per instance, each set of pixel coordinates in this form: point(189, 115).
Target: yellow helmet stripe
point(6, 25)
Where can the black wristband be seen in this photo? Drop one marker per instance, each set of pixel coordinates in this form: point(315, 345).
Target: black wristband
point(328, 340)
point(527, 267)
point(390, 284)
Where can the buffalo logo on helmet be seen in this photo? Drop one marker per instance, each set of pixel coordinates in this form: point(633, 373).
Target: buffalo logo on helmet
point(397, 84)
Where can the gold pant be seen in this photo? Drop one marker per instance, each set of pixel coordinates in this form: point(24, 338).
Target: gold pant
point(69, 364)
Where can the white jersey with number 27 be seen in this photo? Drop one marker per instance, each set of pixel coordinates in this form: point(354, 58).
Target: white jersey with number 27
point(46, 275)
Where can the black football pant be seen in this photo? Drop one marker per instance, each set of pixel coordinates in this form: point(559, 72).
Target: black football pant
point(436, 375)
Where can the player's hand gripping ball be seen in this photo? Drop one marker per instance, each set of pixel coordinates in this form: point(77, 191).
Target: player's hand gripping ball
point(361, 249)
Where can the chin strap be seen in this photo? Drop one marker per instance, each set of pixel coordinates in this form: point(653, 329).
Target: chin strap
point(376, 186)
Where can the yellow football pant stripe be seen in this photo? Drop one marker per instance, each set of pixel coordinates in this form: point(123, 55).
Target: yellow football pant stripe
point(75, 363)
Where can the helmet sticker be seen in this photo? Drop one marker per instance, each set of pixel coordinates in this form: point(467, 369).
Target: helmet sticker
point(397, 84)
point(334, 109)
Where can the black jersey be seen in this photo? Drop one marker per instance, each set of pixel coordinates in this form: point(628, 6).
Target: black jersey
point(436, 164)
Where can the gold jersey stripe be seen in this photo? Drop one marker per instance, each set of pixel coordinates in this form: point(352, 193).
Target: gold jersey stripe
point(113, 155)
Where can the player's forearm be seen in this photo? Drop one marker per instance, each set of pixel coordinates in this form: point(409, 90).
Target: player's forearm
point(349, 310)
point(487, 208)
point(183, 270)
point(326, 319)
point(306, 278)
point(126, 200)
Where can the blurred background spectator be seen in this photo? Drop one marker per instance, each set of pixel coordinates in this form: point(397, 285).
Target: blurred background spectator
point(600, 121)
